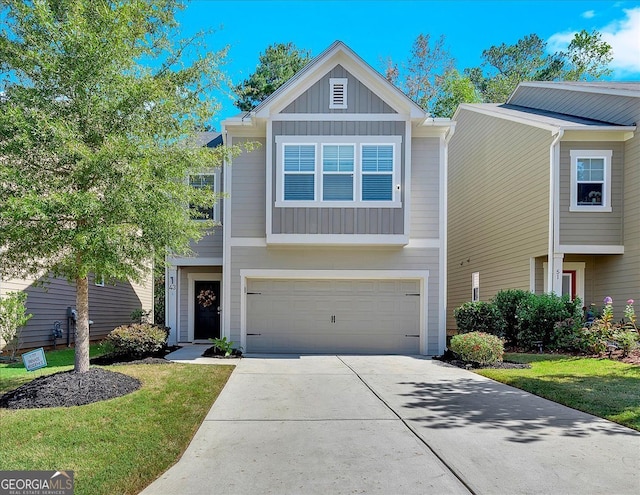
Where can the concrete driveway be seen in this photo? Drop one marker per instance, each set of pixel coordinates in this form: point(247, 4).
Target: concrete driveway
point(394, 425)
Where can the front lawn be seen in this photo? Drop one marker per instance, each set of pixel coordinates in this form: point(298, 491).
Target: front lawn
point(602, 387)
point(115, 446)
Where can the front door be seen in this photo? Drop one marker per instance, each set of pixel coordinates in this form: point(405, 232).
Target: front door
point(206, 323)
point(569, 283)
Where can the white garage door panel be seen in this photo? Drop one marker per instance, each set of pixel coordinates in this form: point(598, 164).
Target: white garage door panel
point(333, 316)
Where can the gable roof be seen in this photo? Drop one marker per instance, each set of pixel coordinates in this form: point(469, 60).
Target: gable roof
point(618, 88)
point(337, 53)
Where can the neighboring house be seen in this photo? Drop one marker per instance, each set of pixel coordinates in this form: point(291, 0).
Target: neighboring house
point(333, 235)
point(109, 306)
point(544, 194)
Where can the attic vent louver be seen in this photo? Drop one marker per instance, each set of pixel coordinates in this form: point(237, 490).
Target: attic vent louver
point(338, 92)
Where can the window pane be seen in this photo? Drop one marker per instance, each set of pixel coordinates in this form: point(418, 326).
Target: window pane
point(203, 181)
point(299, 158)
point(377, 187)
point(590, 194)
point(337, 187)
point(299, 187)
point(377, 158)
point(337, 158)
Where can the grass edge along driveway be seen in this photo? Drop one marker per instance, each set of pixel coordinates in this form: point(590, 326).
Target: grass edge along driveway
point(602, 387)
point(120, 445)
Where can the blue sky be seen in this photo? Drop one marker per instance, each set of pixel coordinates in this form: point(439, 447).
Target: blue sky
point(379, 29)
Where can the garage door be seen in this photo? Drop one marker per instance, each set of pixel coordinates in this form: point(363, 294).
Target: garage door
point(333, 316)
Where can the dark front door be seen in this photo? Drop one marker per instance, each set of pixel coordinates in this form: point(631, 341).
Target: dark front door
point(206, 324)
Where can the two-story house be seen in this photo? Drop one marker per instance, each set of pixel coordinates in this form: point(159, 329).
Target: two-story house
point(544, 194)
point(333, 233)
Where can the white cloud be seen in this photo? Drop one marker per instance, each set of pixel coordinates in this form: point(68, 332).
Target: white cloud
point(623, 36)
point(589, 14)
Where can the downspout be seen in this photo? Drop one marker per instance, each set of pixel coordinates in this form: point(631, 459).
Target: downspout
point(554, 273)
point(444, 190)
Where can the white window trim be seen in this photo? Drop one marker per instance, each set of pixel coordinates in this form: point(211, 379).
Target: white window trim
point(216, 189)
point(606, 187)
point(314, 173)
point(475, 287)
point(357, 141)
point(98, 280)
point(333, 82)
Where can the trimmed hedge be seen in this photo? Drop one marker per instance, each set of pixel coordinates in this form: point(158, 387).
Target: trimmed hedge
point(478, 317)
point(137, 339)
point(478, 347)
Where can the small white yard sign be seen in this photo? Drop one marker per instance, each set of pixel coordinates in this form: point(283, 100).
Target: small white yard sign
point(34, 360)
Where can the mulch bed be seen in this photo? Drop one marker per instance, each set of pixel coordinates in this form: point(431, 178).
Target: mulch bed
point(450, 358)
point(68, 388)
point(214, 352)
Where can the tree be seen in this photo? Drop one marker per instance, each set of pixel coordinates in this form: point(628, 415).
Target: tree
point(422, 75)
point(587, 57)
point(277, 65)
point(454, 90)
point(13, 316)
point(96, 117)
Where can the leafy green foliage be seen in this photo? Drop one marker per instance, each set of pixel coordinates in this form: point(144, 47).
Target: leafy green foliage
point(97, 121)
point(478, 347)
point(506, 302)
point(537, 315)
point(455, 89)
point(277, 65)
point(13, 316)
point(137, 340)
point(223, 345)
point(587, 57)
point(478, 316)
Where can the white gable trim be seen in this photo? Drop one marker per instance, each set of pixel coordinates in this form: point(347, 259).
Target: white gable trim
point(337, 54)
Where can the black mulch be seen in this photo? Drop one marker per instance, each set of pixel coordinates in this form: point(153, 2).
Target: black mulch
point(451, 358)
point(69, 388)
point(217, 353)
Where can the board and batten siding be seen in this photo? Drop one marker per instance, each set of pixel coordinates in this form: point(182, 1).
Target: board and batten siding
point(369, 220)
point(360, 99)
point(248, 190)
point(591, 228)
point(498, 213)
point(109, 307)
point(425, 188)
point(338, 259)
point(613, 109)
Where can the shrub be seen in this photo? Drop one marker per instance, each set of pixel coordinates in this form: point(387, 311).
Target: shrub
point(478, 317)
point(568, 335)
point(13, 316)
point(506, 302)
point(478, 347)
point(537, 315)
point(137, 339)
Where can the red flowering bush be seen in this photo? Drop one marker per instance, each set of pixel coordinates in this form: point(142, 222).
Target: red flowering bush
point(478, 347)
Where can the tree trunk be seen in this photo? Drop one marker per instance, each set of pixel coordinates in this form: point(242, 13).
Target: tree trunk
point(82, 325)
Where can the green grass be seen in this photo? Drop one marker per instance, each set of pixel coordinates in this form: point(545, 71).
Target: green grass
point(117, 446)
point(602, 387)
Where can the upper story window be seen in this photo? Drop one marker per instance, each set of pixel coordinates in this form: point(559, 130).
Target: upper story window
point(343, 171)
point(590, 180)
point(202, 181)
point(338, 92)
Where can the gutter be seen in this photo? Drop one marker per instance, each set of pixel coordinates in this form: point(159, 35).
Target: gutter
point(554, 173)
point(444, 232)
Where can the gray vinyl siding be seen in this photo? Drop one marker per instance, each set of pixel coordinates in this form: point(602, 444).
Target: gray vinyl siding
point(338, 259)
point(337, 220)
point(360, 99)
point(248, 191)
point(606, 108)
point(210, 246)
point(498, 213)
point(425, 188)
point(592, 228)
point(109, 307)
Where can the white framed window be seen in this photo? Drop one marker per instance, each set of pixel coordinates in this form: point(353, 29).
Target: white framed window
point(338, 171)
point(377, 172)
point(475, 286)
point(206, 181)
point(299, 165)
point(590, 180)
point(338, 92)
point(98, 280)
point(338, 162)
